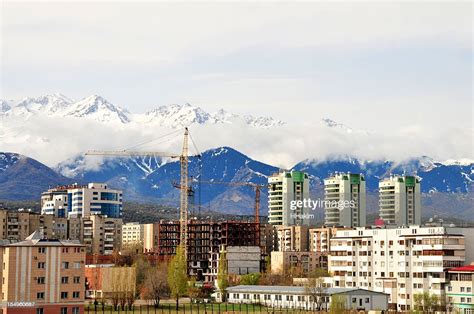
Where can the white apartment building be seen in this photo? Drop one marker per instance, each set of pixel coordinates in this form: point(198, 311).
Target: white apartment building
point(56, 205)
point(400, 200)
point(460, 290)
point(132, 233)
point(285, 187)
point(344, 195)
point(82, 201)
point(399, 261)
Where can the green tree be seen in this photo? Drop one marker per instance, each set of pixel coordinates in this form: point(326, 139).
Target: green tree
point(338, 304)
point(222, 275)
point(250, 279)
point(193, 290)
point(177, 275)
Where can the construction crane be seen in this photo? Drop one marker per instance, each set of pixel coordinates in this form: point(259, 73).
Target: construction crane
point(183, 158)
point(257, 187)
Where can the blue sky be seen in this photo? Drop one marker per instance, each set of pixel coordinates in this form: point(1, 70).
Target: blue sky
point(371, 66)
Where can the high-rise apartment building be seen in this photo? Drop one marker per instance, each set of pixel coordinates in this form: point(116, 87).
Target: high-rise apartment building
point(344, 200)
point(286, 189)
point(82, 201)
point(400, 200)
point(399, 261)
point(41, 276)
point(102, 235)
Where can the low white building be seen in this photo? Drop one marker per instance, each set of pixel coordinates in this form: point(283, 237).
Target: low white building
point(294, 297)
point(132, 233)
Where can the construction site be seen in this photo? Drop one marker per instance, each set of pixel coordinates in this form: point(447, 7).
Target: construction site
point(205, 240)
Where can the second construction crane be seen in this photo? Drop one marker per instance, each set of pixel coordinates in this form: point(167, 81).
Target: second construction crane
point(183, 158)
point(258, 188)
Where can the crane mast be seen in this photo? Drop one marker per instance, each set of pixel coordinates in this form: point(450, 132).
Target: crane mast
point(183, 209)
point(183, 158)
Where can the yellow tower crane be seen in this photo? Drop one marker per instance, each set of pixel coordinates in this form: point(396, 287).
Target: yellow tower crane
point(183, 158)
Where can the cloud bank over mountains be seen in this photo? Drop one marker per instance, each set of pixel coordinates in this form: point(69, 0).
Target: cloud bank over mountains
point(53, 128)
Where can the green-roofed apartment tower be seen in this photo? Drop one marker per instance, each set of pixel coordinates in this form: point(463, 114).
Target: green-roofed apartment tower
point(400, 200)
point(344, 196)
point(285, 187)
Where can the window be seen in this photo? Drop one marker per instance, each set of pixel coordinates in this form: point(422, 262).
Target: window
point(42, 250)
point(367, 300)
point(75, 310)
point(40, 295)
point(65, 265)
point(40, 310)
point(77, 279)
point(77, 265)
point(64, 310)
point(63, 295)
point(41, 265)
point(76, 294)
point(64, 279)
point(40, 280)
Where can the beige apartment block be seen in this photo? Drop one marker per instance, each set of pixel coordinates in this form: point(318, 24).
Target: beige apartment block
point(292, 238)
point(42, 276)
point(282, 262)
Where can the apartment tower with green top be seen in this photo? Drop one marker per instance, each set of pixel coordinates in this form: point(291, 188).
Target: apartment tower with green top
point(344, 200)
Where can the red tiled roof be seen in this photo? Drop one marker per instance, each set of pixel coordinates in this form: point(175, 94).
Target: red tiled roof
point(463, 268)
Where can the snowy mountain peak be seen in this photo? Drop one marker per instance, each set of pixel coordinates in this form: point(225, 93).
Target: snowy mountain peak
point(333, 124)
point(97, 108)
point(48, 104)
point(177, 115)
point(224, 116)
point(263, 122)
point(4, 106)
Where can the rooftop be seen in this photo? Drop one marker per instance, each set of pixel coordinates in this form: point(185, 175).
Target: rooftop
point(466, 268)
point(294, 290)
point(37, 239)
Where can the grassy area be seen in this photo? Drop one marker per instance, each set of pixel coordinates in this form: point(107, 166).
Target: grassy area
point(193, 308)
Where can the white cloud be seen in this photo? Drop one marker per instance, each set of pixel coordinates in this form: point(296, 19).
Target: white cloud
point(55, 139)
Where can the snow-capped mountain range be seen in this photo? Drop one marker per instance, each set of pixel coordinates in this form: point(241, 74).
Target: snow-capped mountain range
point(99, 109)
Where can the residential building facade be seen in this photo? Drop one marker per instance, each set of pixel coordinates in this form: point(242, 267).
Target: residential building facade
point(400, 200)
point(82, 201)
point(398, 261)
point(345, 200)
point(292, 238)
point(102, 235)
point(301, 263)
point(460, 290)
point(132, 234)
point(285, 188)
point(42, 276)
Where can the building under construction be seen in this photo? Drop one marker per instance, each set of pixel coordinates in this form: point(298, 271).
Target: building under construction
point(205, 239)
